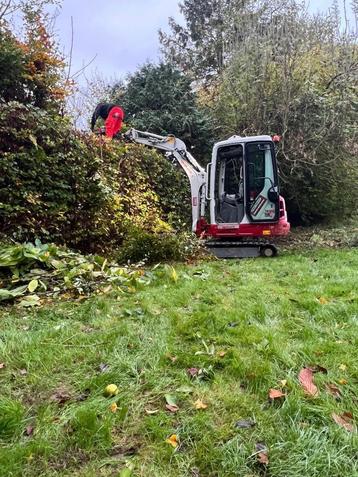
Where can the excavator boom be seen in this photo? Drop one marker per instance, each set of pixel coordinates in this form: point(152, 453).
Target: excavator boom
point(176, 150)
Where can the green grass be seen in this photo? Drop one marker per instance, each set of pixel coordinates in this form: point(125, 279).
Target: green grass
point(267, 317)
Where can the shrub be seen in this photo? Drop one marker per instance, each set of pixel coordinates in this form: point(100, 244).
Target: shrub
point(159, 247)
point(63, 186)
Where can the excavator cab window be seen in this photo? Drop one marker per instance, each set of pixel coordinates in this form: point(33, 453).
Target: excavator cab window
point(262, 204)
point(229, 185)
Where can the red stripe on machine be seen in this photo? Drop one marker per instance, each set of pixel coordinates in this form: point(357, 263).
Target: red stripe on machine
point(260, 202)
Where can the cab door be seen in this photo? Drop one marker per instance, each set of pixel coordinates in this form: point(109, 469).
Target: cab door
point(262, 190)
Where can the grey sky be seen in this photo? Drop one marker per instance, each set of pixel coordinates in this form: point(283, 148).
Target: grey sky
point(122, 33)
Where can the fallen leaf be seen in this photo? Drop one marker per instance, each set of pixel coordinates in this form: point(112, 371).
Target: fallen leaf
point(245, 424)
point(343, 367)
point(306, 380)
point(33, 285)
point(185, 390)
point(316, 368)
point(171, 403)
point(333, 390)
point(126, 472)
point(173, 275)
point(343, 381)
point(2, 365)
point(29, 430)
point(151, 412)
point(262, 456)
point(113, 407)
point(283, 383)
point(61, 396)
point(344, 420)
point(323, 300)
point(199, 404)
point(193, 372)
point(222, 354)
point(103, 367)
point(83, 396)
point(173, 441)
point(276, 394)
point(30, 301)
point(232, 324)
point(195, 472)
point(23, 372)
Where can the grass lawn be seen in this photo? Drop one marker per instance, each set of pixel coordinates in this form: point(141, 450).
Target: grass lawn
point(248, 326)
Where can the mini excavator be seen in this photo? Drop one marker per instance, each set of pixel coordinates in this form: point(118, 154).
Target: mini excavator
point(235, 200)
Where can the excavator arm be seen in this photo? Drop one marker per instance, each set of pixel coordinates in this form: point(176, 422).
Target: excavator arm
point(176, 150)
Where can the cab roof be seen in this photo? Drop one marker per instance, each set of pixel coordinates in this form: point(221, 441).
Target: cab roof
point(243, 140)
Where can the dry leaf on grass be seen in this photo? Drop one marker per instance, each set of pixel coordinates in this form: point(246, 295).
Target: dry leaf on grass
point(343, 367)
point(171, 404)
point(316, 368)
point(306, 380)
point(151, 412)
point(344, 420)
point(333, 390)
point(262, 455)
point(222, 354)
point(113, 407)
point(343, 381)
point(29, 430)
point(245, 424)
point(199, 404)
point(193, 372)
point(173, 441)
point(276, 394)
point(61, 396)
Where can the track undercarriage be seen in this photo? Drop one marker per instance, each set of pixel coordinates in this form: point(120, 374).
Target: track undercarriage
point(241, 249)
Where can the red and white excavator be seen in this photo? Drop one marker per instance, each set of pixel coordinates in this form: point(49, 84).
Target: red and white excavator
point(236, 203)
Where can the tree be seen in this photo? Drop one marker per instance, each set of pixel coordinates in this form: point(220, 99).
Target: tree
point(213, 29)
point(160, 99)
point(32, 70)
point(298, 80)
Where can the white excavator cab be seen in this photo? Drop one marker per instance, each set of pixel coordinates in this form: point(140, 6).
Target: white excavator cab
point(243, 181)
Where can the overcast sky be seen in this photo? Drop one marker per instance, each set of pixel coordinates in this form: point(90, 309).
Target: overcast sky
point(122, 34)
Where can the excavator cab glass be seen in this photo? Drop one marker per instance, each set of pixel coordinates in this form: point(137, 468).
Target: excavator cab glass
point(246, 183)
point(229, 185)
point(262, 196)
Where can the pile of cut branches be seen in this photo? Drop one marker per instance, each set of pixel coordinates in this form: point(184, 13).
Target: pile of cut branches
point(31, 273)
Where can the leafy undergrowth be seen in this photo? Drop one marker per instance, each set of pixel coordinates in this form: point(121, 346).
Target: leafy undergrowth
point(33, 274)
point(229, 368)
point(329, 236)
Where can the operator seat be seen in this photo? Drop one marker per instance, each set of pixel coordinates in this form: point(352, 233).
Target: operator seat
point(231, 209)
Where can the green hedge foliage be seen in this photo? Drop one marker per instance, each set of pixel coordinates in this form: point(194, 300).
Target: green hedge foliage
point(68, 187)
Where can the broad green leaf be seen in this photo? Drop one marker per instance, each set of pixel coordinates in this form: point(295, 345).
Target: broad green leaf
point(30, 301)
point(125, 472)
point(33, 285)
point(170, 399)
point(174, 275)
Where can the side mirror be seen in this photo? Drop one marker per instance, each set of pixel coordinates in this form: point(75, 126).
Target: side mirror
point(273, 195)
